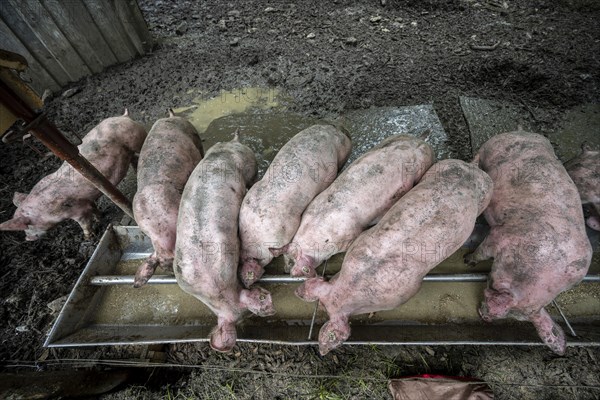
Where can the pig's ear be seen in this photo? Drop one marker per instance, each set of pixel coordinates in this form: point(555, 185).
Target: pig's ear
point(15, 224)
point(18, 198)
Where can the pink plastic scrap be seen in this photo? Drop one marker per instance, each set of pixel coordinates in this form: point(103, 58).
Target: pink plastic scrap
point(439, 387)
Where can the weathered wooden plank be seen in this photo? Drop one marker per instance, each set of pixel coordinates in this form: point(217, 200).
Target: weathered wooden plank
point(78, 27)
point(50, 35)
point(125, 18)
point(104, 15)
point(27, 36)
point(140, 25)
point(35, 74)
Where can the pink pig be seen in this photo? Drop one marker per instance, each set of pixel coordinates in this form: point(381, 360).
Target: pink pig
point(66, 194)
point(207, 244)
point(271, 211)
point(537, 237)
point(168, 157)
point(357, 199)
point(385, 265)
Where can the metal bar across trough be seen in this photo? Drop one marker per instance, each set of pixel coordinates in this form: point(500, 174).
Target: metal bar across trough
point(107, 280)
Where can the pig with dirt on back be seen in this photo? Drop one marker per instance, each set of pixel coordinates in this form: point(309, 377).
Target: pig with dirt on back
point(66, 194)
point(271, 211)
point(357, 199)
point(385, 265)
point(537, 233)
point(207, 244)
point(168, 157)
point(585, 172)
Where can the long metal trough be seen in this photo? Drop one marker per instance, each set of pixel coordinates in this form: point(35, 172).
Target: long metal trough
point(104, 309)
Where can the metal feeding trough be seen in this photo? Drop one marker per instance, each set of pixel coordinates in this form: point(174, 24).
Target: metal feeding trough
point(104, 308)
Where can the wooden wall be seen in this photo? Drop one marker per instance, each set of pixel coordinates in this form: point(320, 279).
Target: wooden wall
point(65, 40)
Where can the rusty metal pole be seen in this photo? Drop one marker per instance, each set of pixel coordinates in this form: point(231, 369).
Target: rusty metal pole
point(55, 141)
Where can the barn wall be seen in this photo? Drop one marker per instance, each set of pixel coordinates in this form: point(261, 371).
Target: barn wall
point(65, 40)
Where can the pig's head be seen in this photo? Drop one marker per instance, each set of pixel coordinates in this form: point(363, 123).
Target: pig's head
point(258, 301)
point(302, 265)
point(496, 304)
point(296, 262)
point(28, 218)
point(223, 336)
point(333, 334)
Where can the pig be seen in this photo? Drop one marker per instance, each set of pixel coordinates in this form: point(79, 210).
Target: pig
point(585, 173)
point(385, 265)
point(66, 194)
point(537, 234)
point(207, 243)
point(271, 211)
point(357, 199)
point(168, 157)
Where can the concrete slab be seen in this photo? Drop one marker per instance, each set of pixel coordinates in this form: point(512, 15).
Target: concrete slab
point(486, 118)
point(580, 124)
point(370, 126)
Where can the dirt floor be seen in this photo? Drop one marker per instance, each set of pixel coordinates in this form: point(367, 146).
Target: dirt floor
point(328, 57)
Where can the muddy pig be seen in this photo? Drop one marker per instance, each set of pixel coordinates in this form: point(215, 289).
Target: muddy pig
point(271, 211)
point(537, 234)
point(385, 265)
point(168, 157)
point(207, 243)
point(357, 199)
point(66, 194)
point(585, 172)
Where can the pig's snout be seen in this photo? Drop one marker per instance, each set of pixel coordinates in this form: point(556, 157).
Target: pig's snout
point(332, 335)
point(250, 272)
point(223, 337)
point(303, 270)
point(593, 222)
point(259, 302)
point(34, 234)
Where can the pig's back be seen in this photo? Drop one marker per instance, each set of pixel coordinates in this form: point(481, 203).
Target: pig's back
point(303, 167)
point(365, 190)
point(207, 223)
point(168, 155)
point(533, 190)
point(424, 227)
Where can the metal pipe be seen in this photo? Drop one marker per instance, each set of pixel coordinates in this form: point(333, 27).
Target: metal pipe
point(47, 133)
point(564, 317)
point(107, 280)
point(314, 315)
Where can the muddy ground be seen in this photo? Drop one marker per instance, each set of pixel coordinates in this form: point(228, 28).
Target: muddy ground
point(328, 57)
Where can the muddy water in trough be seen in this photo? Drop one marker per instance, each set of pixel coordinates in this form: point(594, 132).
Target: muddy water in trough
point(435, 303)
